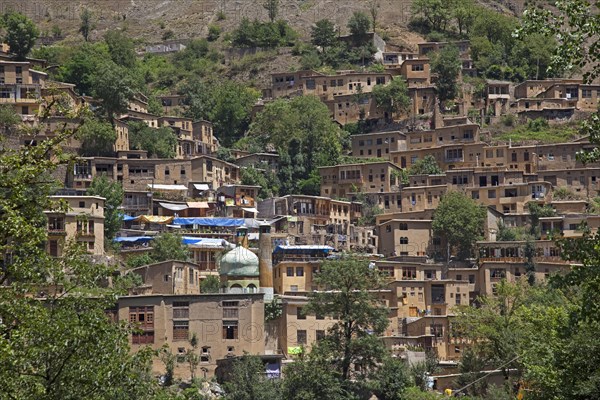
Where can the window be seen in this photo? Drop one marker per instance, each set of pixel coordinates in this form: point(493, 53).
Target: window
point(403, 240)
point(430, 274)
point(491, 194)
point(19, 70)
point(417, 67)
point(454, 154)
point(181, 330)
point(301, 336)
point(300, 313)
point(586, 93)
point(230, 330)
point(471, 278)
point(498, 273)
point(289, 271)
point(409, 273)
point(310, 84)
point(143, 319)
point(205, 354)
point(499, 153)
point(230, 309)
point(320, 334)
point(181, 309)
point(299, 271)
point(403, 226)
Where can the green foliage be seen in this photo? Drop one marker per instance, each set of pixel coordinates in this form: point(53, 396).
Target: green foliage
point(435, 13)
point(392, 98)
point(370, 210)
point(510, 234)
point(272, 7)
point(113, 85)
point(97, 138)
point(158, 143)
point(470, 366)
point(420, 370)
point(113, 193)
point(446, 64)
point(121, 48)
point(564, 193)
point(55, 339)
point(459, 220)
point(391, 379)
point(86, 24)
point(359, 25)
point(273, 310)
point(263, 34)
point(139, 260)
point(302, 132)
point(325, 382)
point(225, 103)
point(248, 381)
point(9, 119)
point(551, 134)
point(267, 180)
point(323, 34)
point(210, 284)
point(361, 317)
point(82, 67)
point(214, 31)
point(169, 246)
point(21, 34)
point(425, 166)
point(535, 213)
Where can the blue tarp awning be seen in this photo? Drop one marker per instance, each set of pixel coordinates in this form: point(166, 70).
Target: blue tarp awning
point(129, 218)
point(231, 222)
point(133, 239)
point(302, 249)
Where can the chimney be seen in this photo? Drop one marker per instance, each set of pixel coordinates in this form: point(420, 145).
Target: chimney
point(241, 236)
point(265, 262)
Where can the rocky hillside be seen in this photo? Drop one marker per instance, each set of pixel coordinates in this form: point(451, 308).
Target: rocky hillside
point(148, 20)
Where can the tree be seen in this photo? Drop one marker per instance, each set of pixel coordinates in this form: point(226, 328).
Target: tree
point(113, 193)
point(323, 34)
point(302, 132)
point(496, 325)
point(459, 220)
point(114, 86)
point(352, 300)
point(55, 338)
point(82, 67)
point(248, 381)
point(470, 367)
point(265, 179)
point(121, 48)
point(21, 34)
point(392, 98)
point(226, 104)
point(169, 246)
point(97, 138)
point(571, 26)
point(325, 382)
point(464, 13)
point(374, 11)
point(191, 356)
point(9, 119)
point(392, 379)
point(359, 25)
point(272, 7)
point(86, 24)
point(436, 13)
point(425, 166)
point(158, 143)
point(446, 64)
point(210, 284)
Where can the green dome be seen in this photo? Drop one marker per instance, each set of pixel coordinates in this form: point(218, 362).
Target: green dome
point(239, 262)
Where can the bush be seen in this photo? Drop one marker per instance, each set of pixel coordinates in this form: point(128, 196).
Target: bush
point(214, 31)
point(508, 120)
point(537, 125)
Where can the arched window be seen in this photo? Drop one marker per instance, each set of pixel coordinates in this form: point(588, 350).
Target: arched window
point(403, 240)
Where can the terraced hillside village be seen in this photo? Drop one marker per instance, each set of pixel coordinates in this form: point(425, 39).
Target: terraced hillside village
point(308, 199)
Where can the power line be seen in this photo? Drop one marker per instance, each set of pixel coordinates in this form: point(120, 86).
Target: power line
point(485, 376)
